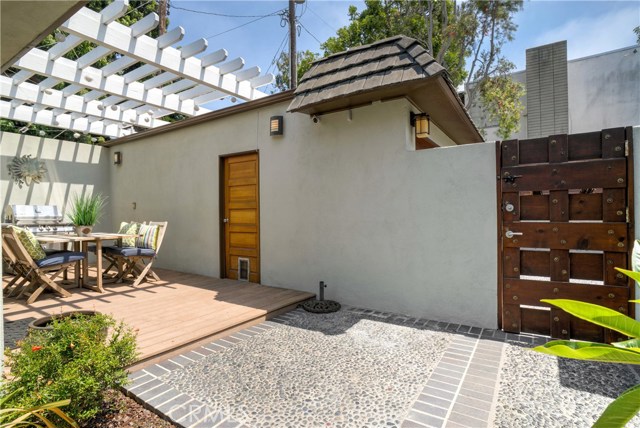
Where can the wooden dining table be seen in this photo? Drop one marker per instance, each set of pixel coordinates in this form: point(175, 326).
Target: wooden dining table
point(81, 243)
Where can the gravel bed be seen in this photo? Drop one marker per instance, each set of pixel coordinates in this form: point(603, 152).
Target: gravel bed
point(120, 411)
point(339, 369)
point(542, 390)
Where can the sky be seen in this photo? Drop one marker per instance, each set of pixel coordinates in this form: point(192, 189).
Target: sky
point(590, 27)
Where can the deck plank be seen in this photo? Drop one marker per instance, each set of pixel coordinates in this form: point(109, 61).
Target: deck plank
point(180, 309)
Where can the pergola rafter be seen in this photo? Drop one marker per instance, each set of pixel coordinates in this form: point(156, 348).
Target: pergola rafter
point(103, 100)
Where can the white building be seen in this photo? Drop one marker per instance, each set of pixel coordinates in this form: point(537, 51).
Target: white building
point(595, 92)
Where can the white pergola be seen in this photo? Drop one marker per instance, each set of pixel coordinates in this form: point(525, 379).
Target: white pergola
point(115, 103)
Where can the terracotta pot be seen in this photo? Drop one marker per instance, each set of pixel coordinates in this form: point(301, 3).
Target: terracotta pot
point(84, 230)
point(45, 323)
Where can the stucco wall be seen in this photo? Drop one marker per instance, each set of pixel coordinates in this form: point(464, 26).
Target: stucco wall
point(72, 169)
point(603, 90)
point(340, 201)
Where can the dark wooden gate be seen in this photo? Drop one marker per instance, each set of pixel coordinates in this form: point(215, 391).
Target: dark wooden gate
point(566, 213)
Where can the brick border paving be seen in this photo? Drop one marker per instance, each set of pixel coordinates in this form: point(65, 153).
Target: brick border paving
point(461, 391)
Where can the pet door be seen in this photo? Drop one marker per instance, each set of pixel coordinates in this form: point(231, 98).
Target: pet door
point(243, 269)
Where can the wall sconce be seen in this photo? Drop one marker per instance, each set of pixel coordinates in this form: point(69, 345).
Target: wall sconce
point(422, 123)
point(276, 126)
point(117, 158)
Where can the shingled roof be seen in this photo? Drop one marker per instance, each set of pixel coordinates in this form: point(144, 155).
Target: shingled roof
point(386, 69)
point(386, 62)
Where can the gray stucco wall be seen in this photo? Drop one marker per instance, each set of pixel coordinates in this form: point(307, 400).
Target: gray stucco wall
point(72, 169)
point(340, 201)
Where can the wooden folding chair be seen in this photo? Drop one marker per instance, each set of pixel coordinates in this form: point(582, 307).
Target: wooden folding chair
point(137, 262)
point(43, 272)
point(21, 276)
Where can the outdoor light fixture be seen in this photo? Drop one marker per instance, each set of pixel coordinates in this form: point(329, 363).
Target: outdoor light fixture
point(422, 124)
point(117, 158)
point(276, 126)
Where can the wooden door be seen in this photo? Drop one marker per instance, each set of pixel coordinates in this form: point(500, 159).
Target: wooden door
point(241, 221)
point(565, 213)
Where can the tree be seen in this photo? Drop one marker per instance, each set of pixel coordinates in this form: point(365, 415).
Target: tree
point(137, 10)
point(466, 38)
point(637, 31)
point(305, 59)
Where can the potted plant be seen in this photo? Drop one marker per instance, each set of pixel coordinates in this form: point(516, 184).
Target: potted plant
point(85, 212)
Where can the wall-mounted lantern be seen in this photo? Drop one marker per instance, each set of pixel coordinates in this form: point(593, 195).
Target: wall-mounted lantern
point(422, 123)
point(117, 158)
point(276, 126)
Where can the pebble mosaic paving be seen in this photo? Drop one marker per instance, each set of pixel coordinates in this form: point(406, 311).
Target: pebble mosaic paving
point(363, 368)
point(355, 367)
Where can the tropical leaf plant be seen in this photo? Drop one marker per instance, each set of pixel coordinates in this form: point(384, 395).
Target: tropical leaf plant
point(627, 405)
point(11, 417)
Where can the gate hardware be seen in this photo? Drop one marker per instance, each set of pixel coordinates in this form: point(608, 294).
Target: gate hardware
point(510, 178)
point(510, 234)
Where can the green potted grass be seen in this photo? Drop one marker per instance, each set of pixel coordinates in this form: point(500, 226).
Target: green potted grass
point(85, 212)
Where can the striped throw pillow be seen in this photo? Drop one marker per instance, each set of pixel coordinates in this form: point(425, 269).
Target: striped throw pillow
point(129, 229)
point(30, 243)
point(148, 236)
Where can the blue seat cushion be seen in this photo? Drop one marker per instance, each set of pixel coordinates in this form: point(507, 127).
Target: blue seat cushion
point(60, 258)
point(130, 251)
point(92, 248)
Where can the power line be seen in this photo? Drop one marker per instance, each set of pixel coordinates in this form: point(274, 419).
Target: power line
point(280, 48)
point(305, 29)
point(322, 19)
point(224, 14)
point(239, 26)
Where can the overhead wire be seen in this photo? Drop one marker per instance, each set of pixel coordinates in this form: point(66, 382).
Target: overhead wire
point(309, 32)
point(280, 48)
point(224, 14)
point(322, 19)
point(239, 26)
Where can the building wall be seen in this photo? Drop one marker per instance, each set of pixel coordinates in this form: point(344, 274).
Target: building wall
point(72, 169)
point(603, 93)
point(341, 201)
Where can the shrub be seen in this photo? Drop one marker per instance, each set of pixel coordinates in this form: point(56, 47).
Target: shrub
point(77, 359)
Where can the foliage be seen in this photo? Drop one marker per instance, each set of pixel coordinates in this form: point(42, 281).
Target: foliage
point(305, 59)
point(501, 98)
point(637, 31)
point(627, 405)
point(86, 210)
point(75, 360)
point(138, 9)
point(17, 417)
point(464, 37)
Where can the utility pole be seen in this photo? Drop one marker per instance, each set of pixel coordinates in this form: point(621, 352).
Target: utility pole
point(293, 57)
point(162, 12)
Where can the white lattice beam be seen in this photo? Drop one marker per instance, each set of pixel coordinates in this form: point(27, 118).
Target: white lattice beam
point(77, 105)
point(64, 69)
point(87, 24)
point(65, 121)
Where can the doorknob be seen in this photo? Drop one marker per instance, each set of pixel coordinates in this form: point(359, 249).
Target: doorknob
point(510, 234)
point(226, 220)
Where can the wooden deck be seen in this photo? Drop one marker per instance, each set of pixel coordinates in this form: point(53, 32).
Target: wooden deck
point(180, 310)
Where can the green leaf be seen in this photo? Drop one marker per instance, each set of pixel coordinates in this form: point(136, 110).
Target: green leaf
point(599, 315)
point(590, 351)
point(631, 343)
point(631, 274)
point(621, 410)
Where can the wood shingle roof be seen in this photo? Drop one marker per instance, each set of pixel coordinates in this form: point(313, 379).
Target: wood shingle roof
point(385, 63)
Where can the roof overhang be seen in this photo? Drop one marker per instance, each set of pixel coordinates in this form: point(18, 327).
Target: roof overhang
point(434, 96)
point(25, 23)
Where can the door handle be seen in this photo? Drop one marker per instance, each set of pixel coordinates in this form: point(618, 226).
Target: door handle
point(225, 220)
point(510, 234)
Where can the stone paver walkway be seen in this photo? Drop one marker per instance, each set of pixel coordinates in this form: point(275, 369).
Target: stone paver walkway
point(460, 391)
